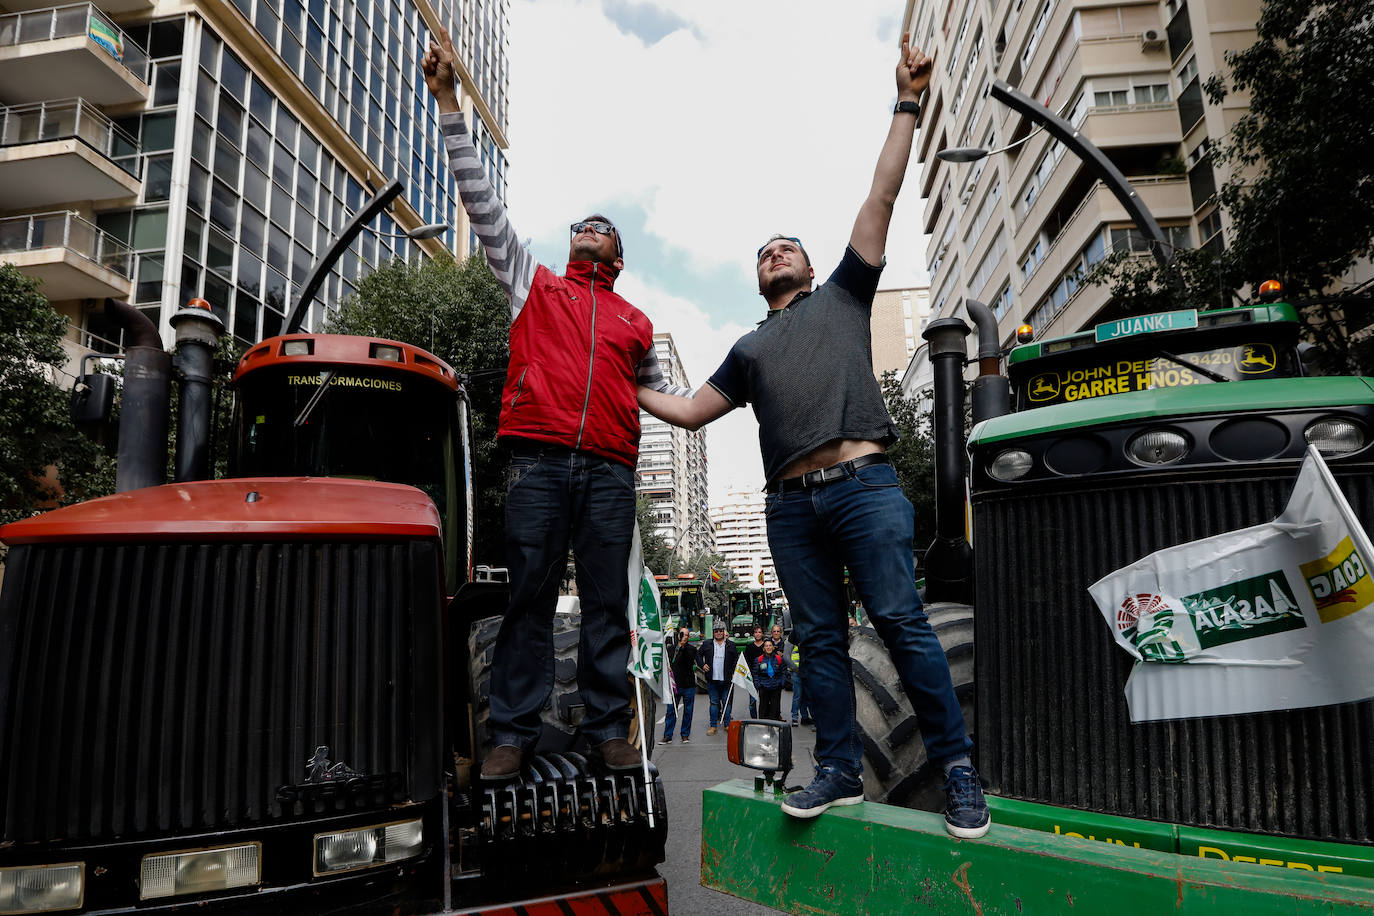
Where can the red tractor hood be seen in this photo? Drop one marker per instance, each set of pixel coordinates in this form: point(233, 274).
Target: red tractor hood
point(250, 508)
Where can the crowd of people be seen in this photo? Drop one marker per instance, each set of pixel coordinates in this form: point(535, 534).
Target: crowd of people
point(774, 663)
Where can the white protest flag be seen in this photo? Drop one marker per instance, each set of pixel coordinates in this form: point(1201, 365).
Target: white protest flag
point(1275, 616)
point(743, 677)
point(646, 627)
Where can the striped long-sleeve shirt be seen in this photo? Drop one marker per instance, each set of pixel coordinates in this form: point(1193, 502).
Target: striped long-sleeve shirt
point(510, 261)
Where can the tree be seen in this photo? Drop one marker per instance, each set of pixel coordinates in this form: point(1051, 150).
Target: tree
point(1300, 196)
point(459, 313)
point(44, 459)
point(913, 454)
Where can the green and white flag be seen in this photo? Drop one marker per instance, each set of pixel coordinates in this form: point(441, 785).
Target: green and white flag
point(646, 623)
point(1275, 616)
point(742, 676)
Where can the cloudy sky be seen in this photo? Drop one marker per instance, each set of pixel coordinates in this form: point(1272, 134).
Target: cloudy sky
point(701, 129)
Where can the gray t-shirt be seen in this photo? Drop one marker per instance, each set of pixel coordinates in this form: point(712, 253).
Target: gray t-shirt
point(808, 369)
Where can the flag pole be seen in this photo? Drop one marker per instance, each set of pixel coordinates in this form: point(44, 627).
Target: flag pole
point(645, 731)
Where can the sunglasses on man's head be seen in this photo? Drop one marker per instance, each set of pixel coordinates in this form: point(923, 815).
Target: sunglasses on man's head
point(781, 238)
point(594, 225)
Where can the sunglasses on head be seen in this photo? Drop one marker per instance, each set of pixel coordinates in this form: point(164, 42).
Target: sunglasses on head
point(777, 238)
point(594, 225)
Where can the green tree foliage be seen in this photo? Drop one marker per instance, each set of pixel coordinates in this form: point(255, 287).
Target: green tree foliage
point(913, 455)
point(1300, 199)
point(459, 313)
point(36, 431)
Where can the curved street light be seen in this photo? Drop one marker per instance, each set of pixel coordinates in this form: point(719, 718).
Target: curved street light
point(1096, 162)
point(315, 279)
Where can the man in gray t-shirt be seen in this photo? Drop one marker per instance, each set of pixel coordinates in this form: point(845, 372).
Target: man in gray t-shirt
point(833, 498)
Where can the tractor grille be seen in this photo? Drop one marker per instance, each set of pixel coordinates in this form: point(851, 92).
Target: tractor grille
point(152, 688)
point(1052, 723)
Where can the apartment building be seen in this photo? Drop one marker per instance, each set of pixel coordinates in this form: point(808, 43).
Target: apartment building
point(157, 151)
point(899, 316)
point(742, 536)
point(1017, 229)
point(672, 468)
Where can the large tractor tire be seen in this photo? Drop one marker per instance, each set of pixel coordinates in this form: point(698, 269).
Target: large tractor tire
point(562, 714)
point(896, 770)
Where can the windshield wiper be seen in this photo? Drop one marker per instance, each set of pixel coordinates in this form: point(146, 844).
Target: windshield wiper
point(325, 376)
point(1205, 373)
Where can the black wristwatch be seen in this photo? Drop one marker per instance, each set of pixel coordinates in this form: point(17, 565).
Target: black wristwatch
point(908, 106)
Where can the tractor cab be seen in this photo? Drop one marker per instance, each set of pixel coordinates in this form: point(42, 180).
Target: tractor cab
point(361, 408)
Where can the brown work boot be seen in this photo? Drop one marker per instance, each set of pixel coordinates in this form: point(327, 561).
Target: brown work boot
point(711, 730)
point(503, 763)
point(618, 754)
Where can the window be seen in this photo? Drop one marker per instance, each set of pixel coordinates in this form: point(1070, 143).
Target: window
point(1151, 92)
point(1109, 98)
point(1188, 72)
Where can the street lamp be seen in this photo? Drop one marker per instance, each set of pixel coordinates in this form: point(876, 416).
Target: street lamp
point(974, 153)
point(1096, 162)
point(375, 205)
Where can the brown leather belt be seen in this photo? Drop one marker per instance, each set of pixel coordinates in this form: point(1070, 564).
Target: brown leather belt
point(842, 471)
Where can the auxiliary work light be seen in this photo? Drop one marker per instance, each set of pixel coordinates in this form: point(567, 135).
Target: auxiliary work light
point(760, 744)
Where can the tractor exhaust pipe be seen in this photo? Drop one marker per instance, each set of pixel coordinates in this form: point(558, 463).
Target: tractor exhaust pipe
point(991, 389)
point(142, 451)
point(949, 561)
point(198, 331)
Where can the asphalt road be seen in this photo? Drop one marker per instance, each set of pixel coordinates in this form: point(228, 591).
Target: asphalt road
point(687, 769)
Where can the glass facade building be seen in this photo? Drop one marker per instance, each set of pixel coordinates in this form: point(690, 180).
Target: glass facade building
point(266, 124)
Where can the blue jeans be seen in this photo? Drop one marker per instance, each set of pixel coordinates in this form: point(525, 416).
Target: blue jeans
point(556, 498)
point(718, 690)
point(688, 695)
point(863, 522)
point(798, 699)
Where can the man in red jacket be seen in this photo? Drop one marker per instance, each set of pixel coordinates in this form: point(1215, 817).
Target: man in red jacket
point(570, 416)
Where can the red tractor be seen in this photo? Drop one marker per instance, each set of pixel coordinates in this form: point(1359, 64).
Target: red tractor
point(255, 694)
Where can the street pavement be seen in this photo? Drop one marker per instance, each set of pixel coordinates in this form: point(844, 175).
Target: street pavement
point(687, 769)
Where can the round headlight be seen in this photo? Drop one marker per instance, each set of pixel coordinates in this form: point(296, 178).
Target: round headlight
point(1157, 446)
point(1335, 436)
point(1013, 464)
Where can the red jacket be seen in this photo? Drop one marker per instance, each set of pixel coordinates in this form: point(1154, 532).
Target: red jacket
point(574, 349)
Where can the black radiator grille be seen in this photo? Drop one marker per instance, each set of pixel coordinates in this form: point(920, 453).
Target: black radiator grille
point(1051, 719)
point(151, 688)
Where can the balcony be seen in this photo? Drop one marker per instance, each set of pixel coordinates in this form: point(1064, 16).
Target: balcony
point(69, 52)
point(73, 258)
point(63, 152)
point(113, 7)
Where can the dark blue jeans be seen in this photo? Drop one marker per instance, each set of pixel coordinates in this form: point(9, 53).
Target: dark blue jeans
point(718, 690)
point(799, 698)
point(864, 523)
point(688, 696)
point(556, 498)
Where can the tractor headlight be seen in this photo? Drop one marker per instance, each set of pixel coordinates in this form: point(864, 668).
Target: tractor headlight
point(347, 850)
point(760, 744)
point(1157, 447)
point(1335, 436)
point(42, 888)
point(200, 871)
point(1013, 464)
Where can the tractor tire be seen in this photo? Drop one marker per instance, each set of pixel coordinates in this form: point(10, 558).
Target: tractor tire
point(896, 770)
point(562, 714)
